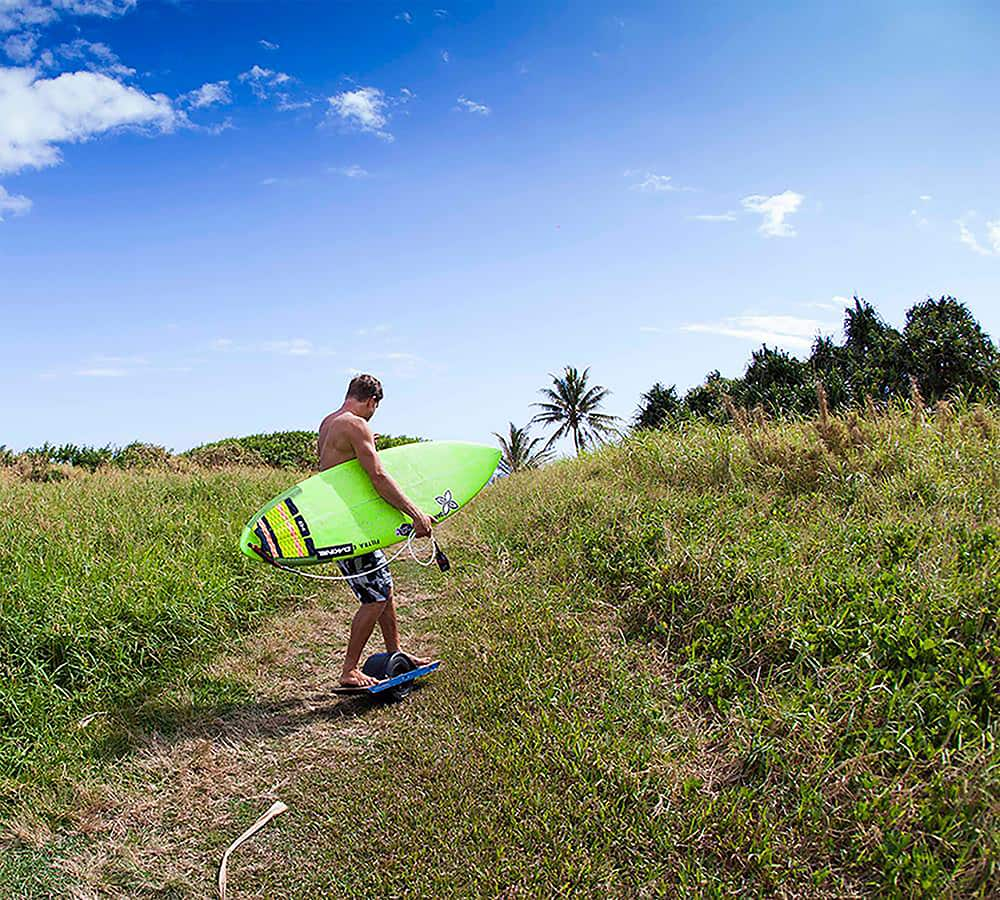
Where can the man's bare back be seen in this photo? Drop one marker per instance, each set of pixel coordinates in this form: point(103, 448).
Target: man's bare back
point(335, 444)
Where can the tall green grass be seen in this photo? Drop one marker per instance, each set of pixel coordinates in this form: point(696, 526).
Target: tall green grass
point(821, 599)
point(109, 585)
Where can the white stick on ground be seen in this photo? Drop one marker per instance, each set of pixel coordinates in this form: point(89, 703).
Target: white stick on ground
point(277, 808)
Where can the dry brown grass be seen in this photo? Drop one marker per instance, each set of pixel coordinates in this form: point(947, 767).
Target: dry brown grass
point(160, 821)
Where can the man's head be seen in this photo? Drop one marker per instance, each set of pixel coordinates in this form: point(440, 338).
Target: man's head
point(364, 394)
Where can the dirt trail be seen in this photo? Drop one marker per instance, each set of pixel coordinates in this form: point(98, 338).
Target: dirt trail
point(161, 826)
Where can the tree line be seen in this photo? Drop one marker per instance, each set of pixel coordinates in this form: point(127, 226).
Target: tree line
point(941, 353)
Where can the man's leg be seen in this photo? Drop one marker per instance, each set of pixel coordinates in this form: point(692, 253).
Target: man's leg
point(390, 627)
point(361, 629)
point(365, 581)
point(390, 631)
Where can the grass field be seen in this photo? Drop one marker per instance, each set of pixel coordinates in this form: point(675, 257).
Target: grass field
point(750, 659)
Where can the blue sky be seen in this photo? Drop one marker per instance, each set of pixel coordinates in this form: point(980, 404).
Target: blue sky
point(214, 212)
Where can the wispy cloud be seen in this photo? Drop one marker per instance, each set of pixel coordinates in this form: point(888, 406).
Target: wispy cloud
point(441, 13)
point(728, 216)
point(480, 109)
point(834, 304)
point(298, 346)
point(371, 330)
point(293, 347)
point(365, 109)
point(774, 209)
point(18, 14)
point(263, 81)
point(404, 17)
point(926, 197)
point(652, 183)
point(212, 93)
point(792, 332)
point(103, 373)
point(967, 237)
point(38, 114)
point(94, 57)
point(269, 45)
point(445, 56)
point(13, 204)
point(21, 47)
point(352, 171)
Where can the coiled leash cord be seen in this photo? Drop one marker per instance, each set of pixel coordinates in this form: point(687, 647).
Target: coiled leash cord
point(437, 556)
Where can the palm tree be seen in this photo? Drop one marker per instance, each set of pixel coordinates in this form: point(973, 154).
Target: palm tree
point(519, 451)
point(573, 407)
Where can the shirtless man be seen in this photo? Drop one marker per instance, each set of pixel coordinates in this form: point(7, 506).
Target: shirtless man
point(345, 435)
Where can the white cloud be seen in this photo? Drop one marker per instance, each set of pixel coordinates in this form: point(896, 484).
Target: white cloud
point(967, 237)
point(269, 45)
point(774, 209)
point(782, 331)
point(364, 109)
point(406, 95)
point(13, 204)
point(212, 93)
point(37, 114)
point(293, 347)
point(103, 373)
point(21, 47)
point(835, 304)
point(405, 17)
point(286, 104)
point(17, 14)
point(441, 13)
point(263, 81)
point(654, 184)
point(352, 171)
point(445, 56)
point(926, 197)
point(94, 57)
point(286, 347)
point(380, 328)
point(993, 234)
point(729, 216)
point(480, 109)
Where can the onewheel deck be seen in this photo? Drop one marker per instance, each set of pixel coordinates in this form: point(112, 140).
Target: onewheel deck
point(390, 683)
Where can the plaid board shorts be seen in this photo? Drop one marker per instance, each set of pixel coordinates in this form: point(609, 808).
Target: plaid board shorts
point(372, 587)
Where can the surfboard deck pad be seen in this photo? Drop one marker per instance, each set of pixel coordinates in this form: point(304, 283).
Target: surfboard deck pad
point(389, 684)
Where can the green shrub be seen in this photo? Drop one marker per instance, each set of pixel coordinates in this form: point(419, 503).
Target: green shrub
point(279, 449)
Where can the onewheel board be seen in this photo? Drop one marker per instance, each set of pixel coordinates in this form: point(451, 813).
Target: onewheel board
point(337, 514)
point(389, 683)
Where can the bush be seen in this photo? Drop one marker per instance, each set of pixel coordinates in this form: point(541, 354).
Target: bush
point(143, 456)
point(279, 449)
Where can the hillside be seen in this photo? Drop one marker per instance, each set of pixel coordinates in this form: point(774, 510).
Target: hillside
point(722, 660)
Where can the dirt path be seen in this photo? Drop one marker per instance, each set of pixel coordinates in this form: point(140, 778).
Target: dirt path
point(160, 827)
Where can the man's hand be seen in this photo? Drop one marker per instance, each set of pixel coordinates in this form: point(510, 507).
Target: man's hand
point(422, 524)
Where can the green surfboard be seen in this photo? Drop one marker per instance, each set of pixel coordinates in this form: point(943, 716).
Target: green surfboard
point(337, 514)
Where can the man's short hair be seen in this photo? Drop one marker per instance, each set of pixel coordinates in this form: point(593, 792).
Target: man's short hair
point(364, 387)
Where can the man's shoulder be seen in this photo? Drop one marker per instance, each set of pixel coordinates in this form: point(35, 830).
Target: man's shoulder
point(343, 421)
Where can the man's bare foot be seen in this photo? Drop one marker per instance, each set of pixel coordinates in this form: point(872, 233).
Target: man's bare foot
point(417, 661)
point(356, 678)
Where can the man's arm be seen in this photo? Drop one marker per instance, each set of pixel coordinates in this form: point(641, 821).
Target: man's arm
point(363, 442)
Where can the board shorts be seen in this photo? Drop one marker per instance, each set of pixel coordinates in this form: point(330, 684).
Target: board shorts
point(373, 587)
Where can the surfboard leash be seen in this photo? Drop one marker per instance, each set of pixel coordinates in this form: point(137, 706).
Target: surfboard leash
point(437, 556)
